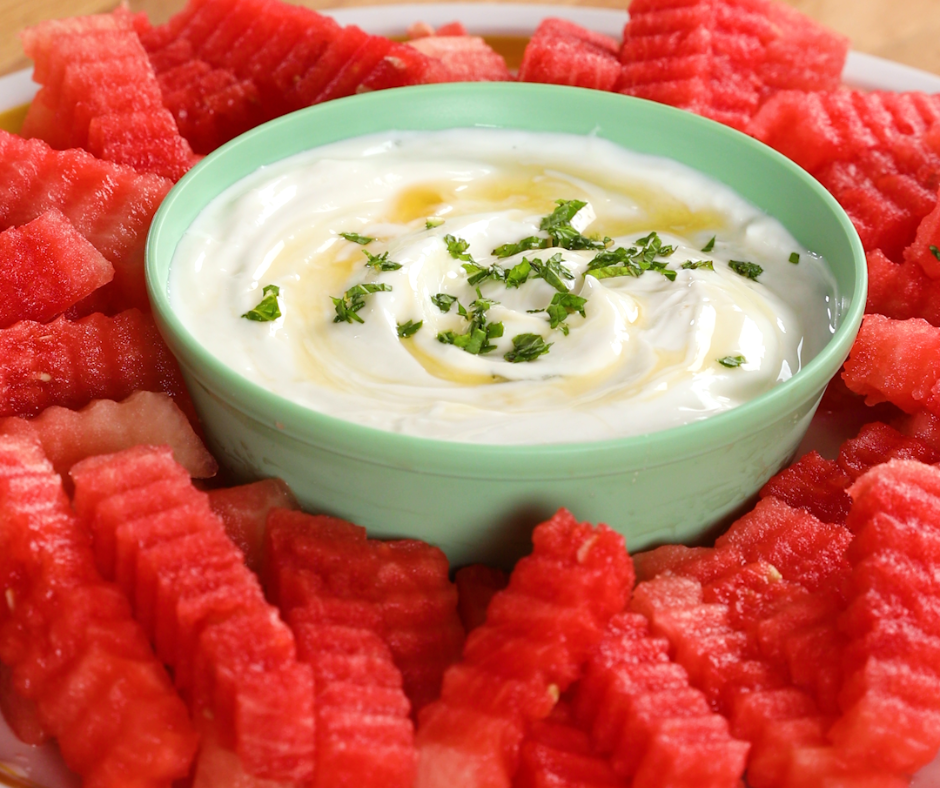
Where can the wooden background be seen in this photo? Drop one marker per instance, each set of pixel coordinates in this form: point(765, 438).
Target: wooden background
point(907, 31)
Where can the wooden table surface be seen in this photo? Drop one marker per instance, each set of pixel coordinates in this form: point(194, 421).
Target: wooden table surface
point(903, 30)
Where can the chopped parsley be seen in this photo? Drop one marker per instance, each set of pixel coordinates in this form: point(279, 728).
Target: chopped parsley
point(696, 264)
point(633, 261)
point(409, 329)
point(434, 221)
point(552, 271)
point(794, 257)
point(476, 339)
point(518, 274)
point(357, 239)
point(477, 273)
point(558, 226)
point(934, 251)
point(746, 269)
point(457, 247)
point(732, 361)
point(380, 262)
point(710, 245)
point(443, 301)
point(525, 245)
point(527, 347)
point(353, 300)
point(562, 305)
point(267, 309)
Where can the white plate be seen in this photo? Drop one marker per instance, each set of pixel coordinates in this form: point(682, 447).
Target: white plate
point(43, 765)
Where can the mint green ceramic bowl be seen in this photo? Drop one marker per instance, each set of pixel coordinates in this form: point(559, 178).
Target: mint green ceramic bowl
point(480, 502)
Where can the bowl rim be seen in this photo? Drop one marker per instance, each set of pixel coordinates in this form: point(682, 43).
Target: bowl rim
point(481, 460)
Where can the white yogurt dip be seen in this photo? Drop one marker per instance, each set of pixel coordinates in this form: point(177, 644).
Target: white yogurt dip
point(691, 336)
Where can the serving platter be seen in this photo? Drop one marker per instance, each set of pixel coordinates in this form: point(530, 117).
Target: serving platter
point(23, 766)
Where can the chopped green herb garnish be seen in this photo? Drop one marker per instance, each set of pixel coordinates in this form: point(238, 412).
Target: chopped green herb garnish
point(478, 273)
point(380, 262)
point(525, 245)
point(409, 329)
point(696, 264)
point(357, 239)
point(934, 251)
point(746, 269)
point(353, 300)
point(562, 305)
point(527, 347)
point(443, 301)
point(434, 221)
point(732, 361)
point(457, 247)
point(710, 245)
point(552, 271)
point(558, 225)
point(633, 261)
point(267, 309)
point(794, 257)
point(476, 339)
point(518, 274)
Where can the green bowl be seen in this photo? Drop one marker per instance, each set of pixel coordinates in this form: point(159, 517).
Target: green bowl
point(480, 502)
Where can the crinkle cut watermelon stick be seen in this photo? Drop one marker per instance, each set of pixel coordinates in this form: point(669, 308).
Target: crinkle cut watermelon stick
point(538, 633)
point(875, 152)
point(404, 581)
point(70, 364)
point(557, 753)
point(640, 710)
point(48, 266)
point(896, 361)
point(722, 59)
point(891, 697)
point(104, 426)
point(202, 607)
point(563, 53)
point(99, 92)
point(329, 581)
point(109, 205)
point(71, 643)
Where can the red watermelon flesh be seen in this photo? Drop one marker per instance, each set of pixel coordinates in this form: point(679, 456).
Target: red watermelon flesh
point(892, 361)
point(877, 443)
point(100, 477)
point(108, 80)
point(109, 689)
point(115, 526)
point(476, 586)
point(563, 53)
point(806, 56)
point(402, 65)
point(363, 730)
point(555, 752)
point(229, 627)
point(927, 239)
point(109, 205)
point(48, 267)
point(892, 623)
point(210, 105)
point(269, 720)
point(483, 696)
point(462, 59)
point(814, 484)
point(71, 363)
point(703, 564)
point(20, 713)
point(105, 427)
point(244, 511)
point(802, 548)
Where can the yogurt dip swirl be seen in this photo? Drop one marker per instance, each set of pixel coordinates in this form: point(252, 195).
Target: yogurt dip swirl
point(387, 252)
